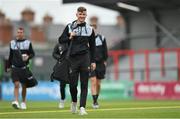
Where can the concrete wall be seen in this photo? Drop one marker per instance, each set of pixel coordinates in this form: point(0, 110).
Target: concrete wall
point(142, 30)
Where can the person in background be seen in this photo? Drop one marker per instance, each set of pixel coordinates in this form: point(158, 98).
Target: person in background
point(101, 56)
point(19, 61)
point(59, 54)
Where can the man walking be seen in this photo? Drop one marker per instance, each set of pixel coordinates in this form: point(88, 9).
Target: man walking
point(20, 52)
point(59, 55)
point(98, 74)
point(83, 43)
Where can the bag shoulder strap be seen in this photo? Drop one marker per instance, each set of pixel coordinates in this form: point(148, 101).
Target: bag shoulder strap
point(70, 45)
point(100, 37)
point(19, 52)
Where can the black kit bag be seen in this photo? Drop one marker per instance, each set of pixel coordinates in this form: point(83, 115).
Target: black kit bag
point(31, 80)
point(62, 68)
point(28, 79)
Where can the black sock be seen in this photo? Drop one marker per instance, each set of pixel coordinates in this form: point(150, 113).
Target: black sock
point(94, 98)
point(97, 96)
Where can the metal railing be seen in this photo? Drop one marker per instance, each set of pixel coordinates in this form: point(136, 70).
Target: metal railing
point(115, 55)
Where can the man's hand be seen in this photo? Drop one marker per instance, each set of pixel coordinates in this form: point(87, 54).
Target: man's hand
point(93, 66)
point(105, 63)
point(8, 69)
point(72, 34)
point(25, 57)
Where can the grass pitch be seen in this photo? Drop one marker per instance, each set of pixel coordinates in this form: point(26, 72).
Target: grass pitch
point(108, 109)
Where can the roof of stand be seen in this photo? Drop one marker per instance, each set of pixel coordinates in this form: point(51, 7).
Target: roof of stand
point(142, 4)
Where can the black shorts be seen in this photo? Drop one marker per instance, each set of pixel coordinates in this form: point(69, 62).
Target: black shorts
point(18, 74)
point(100, 71)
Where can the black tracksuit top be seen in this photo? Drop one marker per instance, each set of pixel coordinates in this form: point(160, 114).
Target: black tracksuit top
point(101, 53)
point(83, 42)
point(25, 47)
point(59, 53)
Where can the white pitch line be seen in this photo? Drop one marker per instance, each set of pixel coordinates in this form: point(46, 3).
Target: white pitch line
point(140, 108)
point(91, 110)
